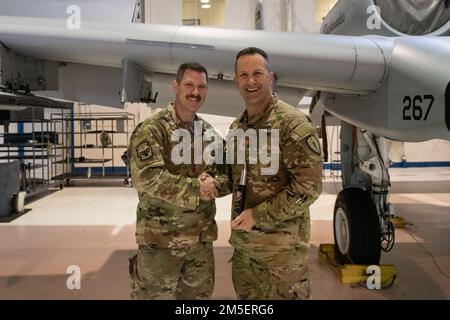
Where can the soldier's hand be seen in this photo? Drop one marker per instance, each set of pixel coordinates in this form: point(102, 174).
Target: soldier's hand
point(203, 176)
point(245, 221)
point(208, 187)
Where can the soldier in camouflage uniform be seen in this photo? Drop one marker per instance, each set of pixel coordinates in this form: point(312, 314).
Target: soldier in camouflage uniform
point(271, 236)
point(175, 215)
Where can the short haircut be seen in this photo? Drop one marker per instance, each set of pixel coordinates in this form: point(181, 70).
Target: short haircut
point(195, 66)
point(251, 51)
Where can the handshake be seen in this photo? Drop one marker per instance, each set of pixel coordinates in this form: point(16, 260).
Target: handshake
point(209, 187)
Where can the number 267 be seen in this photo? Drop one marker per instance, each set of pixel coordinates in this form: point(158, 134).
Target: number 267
point(414, 108)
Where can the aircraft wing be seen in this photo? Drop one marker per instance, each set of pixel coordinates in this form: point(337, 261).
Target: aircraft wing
point(333, 63)
point(385, 73)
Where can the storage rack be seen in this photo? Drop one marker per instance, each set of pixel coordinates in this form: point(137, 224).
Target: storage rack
point(35, 141)
point(84, 148)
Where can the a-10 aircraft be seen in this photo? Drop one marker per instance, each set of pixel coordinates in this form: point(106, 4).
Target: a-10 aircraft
point(382, 67)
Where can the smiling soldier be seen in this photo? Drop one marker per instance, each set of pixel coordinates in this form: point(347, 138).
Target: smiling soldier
point(271, 235)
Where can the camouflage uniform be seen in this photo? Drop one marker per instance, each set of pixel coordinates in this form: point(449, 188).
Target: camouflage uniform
point(270, 261)
point(174, 228)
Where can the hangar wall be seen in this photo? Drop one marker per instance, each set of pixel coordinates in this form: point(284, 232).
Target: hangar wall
point(163, 12)
point(279, 15)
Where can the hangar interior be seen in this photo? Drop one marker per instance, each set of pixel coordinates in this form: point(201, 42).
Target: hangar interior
point(73, 210)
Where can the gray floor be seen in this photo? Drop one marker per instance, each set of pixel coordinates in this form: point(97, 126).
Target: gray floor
point(91, 226)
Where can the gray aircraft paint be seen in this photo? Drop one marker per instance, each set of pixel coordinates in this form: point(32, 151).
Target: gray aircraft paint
point(447, 106)
point(120, 11)
point(364, 80)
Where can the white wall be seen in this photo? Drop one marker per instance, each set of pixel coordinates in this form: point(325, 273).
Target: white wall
point(279, 15)
point(240, 14)
point(433, 150)
point(303, 17)
point(274, 15)
point(163, 12)
point(429, 151)
point(289, 15)
point(213, 16)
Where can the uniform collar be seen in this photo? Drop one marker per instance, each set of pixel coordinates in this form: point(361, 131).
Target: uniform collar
point(175, 119)
point(177, 123)
point(243, 118)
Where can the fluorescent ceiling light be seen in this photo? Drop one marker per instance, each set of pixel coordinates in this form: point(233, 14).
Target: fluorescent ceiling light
point(204, 1)
point(205, 6)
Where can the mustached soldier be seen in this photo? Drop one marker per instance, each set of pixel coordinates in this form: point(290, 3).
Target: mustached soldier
point(175, 217)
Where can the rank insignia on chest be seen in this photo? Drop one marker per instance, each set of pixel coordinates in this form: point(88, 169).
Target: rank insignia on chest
point(144, 151)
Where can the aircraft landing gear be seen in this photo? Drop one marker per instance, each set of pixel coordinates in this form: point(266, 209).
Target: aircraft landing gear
point(362, 213)
point(356, 228)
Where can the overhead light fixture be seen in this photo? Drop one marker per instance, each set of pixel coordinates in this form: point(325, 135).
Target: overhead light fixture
point(204, 1)
point(205, 6)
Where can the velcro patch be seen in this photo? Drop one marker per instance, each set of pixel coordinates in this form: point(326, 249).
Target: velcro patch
point(144, 151)
point(313, 144)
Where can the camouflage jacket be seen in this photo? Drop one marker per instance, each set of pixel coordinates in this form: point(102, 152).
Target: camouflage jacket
point(170, 212)
point(280, 200)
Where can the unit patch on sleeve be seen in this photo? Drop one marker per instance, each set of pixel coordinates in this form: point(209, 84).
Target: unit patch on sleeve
point(313, 144)
point(144, 151)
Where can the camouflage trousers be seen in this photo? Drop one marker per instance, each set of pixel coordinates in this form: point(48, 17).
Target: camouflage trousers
point(276, 275)
point(166, 273)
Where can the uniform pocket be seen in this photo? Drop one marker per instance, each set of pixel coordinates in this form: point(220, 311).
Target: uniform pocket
point(209, 231)
point(167, 234)
point(156, 234)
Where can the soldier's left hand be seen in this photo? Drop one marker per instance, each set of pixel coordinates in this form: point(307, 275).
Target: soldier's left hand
point(245, 221)
point(203, 176)
point(208, 187)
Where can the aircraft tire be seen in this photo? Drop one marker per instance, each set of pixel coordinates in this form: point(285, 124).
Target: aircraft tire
point(356, 228)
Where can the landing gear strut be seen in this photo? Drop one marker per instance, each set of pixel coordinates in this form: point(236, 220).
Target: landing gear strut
point(362, 213)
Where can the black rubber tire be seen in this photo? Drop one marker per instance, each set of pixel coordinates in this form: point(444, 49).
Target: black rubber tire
point(364, 234)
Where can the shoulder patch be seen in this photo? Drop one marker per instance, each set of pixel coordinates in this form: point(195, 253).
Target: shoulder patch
point(144, 151)
point(313, 144)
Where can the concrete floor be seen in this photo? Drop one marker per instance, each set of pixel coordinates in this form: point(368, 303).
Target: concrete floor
point(91, 226)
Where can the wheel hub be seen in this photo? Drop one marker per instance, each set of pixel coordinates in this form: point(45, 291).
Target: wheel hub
point(342, 231)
